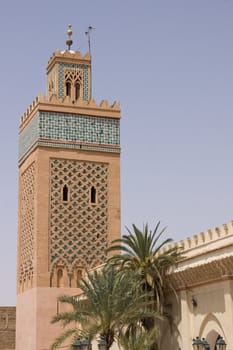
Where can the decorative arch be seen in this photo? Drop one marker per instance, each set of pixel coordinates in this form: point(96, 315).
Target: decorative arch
point(73, 80)
point(58, 273)
point(210, 329)
point(59, 277)
point(78, 270)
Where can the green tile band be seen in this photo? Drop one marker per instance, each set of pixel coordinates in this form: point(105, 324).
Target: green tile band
point(70, 131)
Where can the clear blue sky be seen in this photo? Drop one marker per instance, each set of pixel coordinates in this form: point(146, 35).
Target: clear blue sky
point(170, 64)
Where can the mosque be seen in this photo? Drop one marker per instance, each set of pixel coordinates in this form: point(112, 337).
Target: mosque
point(69, 212)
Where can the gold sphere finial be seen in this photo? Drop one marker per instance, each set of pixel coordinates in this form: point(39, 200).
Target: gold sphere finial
point(69, 41)
point(69, 30)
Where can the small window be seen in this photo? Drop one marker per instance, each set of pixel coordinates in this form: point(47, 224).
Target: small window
point(65, 194)
point(68, 88)
point(77, 91)
point(93, 195)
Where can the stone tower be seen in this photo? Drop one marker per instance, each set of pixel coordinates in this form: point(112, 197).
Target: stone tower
point(69, 193)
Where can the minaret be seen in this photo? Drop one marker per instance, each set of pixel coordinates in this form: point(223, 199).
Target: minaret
point(69, 193)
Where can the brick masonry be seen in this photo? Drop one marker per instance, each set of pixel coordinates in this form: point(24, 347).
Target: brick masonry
point(7, 327)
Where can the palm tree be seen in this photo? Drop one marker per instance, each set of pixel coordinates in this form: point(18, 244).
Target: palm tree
point(108, 304)
point(137, 340)
point(143, 255)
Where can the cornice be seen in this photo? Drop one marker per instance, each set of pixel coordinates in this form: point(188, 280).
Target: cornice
point(203, 273)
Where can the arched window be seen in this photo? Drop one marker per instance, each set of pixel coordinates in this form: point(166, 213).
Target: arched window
point(68, 88)
point(77, 90)
point(59, 278)
point(65, 194)
point(93, 195)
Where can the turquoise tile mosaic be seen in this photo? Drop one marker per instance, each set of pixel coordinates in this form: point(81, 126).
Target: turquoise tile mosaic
point(84, 68)
point(29, 136)
point(79, 128)
point(69, 130)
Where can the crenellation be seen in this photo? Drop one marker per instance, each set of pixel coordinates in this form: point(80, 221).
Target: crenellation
point(218, 232)
point(201, 239)
point(66, 101)
point(204, 238)
point(209, 235)
point(91, 103)
point(180, 245)
point(70, 55)
point(188, 240)
point(195, 238)
point(39, 98)
point(104, 104)
point(225, 227)
point(116, 105)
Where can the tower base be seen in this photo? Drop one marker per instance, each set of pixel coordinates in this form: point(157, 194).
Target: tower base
point(35, 310)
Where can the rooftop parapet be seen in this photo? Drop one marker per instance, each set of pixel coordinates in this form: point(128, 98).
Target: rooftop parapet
point(69, 56)
point(104, 109)
point(200, 243)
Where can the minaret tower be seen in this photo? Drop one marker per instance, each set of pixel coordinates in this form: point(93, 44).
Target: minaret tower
point(69, 193)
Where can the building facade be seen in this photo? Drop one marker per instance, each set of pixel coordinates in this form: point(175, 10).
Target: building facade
point(204, 285)
point(69, 212)
point(7, 327)
point(69, 193)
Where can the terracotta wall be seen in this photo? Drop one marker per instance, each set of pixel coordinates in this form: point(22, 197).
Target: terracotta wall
point(7, 327)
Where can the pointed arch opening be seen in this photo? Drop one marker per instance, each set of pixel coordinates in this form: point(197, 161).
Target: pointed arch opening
point(65, 193)
point(93, 195)
point(68, 88)
point(77, 90)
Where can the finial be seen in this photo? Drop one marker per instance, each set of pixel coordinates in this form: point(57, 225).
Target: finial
point(69, 41)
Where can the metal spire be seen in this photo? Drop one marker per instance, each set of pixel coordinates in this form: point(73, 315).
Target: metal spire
point(89, 29)
point(69, 41)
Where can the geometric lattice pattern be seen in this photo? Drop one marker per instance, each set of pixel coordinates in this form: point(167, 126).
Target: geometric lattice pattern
point(77, 129)
point(61, 78)
point(78, 227)
point(27, 204)
point(73, 75)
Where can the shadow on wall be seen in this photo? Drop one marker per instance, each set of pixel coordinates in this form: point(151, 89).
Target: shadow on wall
point(170, 335)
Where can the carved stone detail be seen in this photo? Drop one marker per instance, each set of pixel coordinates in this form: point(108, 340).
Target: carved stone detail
point(78, 227)
point(27, 206)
